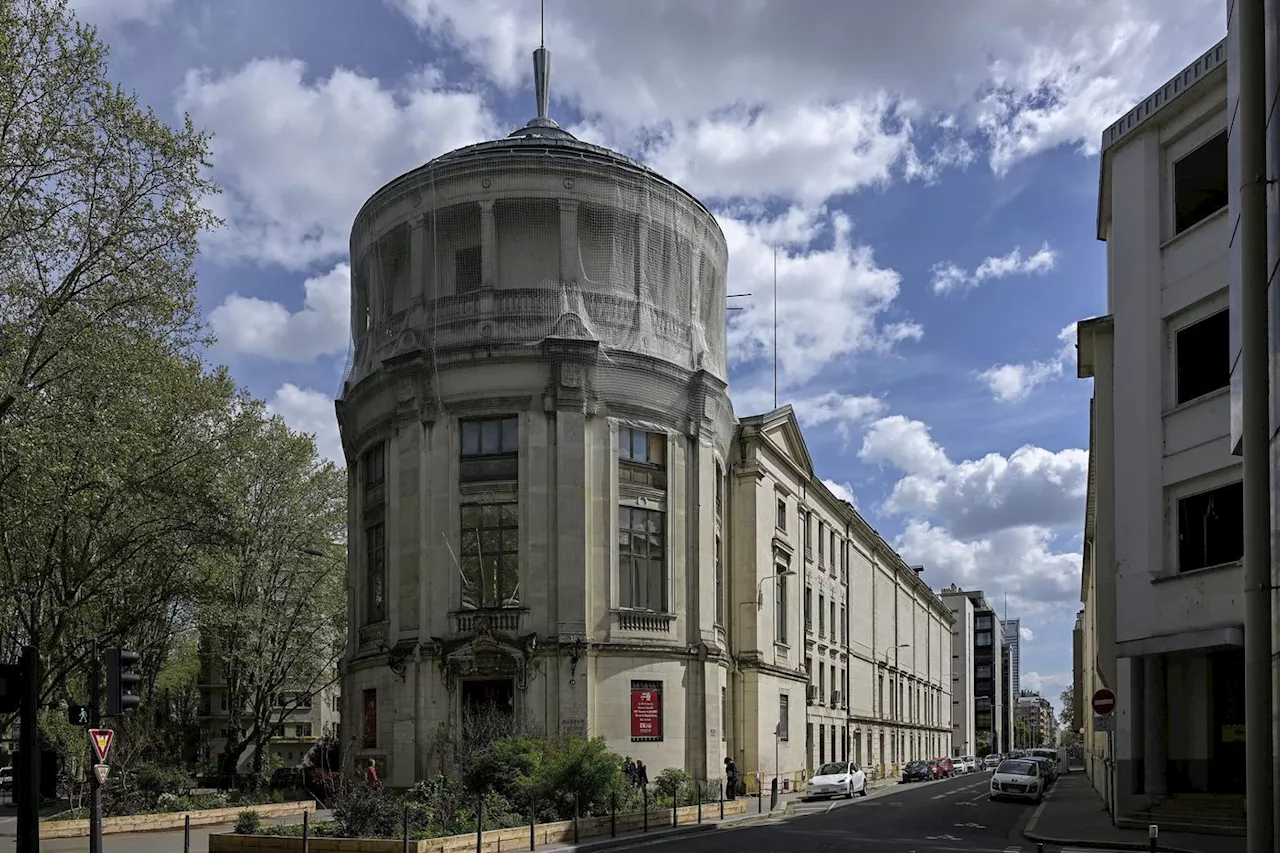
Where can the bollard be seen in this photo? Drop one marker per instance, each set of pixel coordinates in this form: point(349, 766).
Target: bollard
point(533, 823)
point(613, 814)
point(644, 789)
point(773, 794)
point(1153, 836)
point(306, 830)
point(480, 824)
point(186, 834)
point(697, 792)
point(576, 803)
point(675, 804)
point(722, 802)
point(405, 821)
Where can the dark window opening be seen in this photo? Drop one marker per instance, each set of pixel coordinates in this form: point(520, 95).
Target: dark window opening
point(468, 270)
point(375, 474)
point(642, 559)
point(1211, 528)
point(642, 456)
point(490, 449)
point(375, 543)
point(1204, 357)
point(1200, 183)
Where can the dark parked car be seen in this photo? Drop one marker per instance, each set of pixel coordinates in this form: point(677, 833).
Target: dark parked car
point(917, 771)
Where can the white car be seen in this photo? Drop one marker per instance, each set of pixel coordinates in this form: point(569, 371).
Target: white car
point(837, 779)
point(1019, 779)
point(966, 764)
point(991, 762)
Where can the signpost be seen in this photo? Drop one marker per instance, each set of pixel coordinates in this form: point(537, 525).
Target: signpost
point(1104, 702)
point(101, 740)
point(1104, 708)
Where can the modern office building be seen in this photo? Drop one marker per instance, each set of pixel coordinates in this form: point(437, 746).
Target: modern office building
point(1012, 630)
point(1162, 574)
point(963, 722)
point(987, 684)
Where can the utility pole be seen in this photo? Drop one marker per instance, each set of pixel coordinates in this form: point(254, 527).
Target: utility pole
point(1255, 421)
point(95, 714)
point(28, 775)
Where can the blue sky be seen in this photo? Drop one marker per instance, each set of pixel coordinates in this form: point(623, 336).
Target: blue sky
point(928, 174)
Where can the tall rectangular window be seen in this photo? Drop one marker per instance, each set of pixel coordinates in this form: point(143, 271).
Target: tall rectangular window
point(468, 269)
point(1211, 528)
point(822, 615)
point(375, 561)
point(719, 584)
point(780, 609)
point(1200, 183)
point(1203, 354)
point(808, 608)
point(374, 470)
point(369, 709)
point(844, 627)
point(642, 559)
point(808, 534)
point(782, 515)
point(490, 449)
point(822, 543)
point(490, 555)
point(643, 457)
point(832, 605)
point(784, 717)
point(719, 490)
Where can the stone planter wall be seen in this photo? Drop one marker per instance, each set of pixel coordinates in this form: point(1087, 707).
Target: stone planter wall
point(171, 820)
point(495, 840)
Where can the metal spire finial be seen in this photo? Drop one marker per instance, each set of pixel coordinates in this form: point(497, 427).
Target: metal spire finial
point(542, 69)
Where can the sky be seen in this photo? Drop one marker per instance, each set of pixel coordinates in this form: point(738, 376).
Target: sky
point(927, 172)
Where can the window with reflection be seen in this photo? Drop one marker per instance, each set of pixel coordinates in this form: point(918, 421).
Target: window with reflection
point(490, 555)
point(642, 559)
point(490, 449)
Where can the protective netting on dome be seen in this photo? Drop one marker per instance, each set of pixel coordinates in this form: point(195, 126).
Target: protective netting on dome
point(507, 244)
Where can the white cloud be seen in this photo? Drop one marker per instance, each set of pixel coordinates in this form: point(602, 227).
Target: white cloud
point(109, 13)
point(1050, 686)
point(307, 410)
point(985, 523)
point(832, 301)
point(298, 157)
point(1022, 76)
point(1026, 635)
point(949, 278)
point(1010, 383)
point(246, 325)
point(843, 491)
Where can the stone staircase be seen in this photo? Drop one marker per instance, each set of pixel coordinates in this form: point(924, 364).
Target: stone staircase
point(1211, 814)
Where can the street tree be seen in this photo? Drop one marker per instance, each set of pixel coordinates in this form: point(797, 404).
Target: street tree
point(1067, 711)
point(101, 207)
point(273, 598)
point(104, 491)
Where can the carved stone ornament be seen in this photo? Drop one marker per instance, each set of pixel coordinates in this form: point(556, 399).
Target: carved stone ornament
point(486, 654)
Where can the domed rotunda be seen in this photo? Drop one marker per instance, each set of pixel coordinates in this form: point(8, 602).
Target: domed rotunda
point(536, 423)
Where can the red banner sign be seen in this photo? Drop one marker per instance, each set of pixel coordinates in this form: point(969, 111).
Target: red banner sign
point(646, 712)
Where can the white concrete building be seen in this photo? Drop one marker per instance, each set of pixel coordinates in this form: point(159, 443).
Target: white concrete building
point(963, 733)
point(1163, 552)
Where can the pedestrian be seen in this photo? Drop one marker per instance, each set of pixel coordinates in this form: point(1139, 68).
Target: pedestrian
point(642, 775)
point(629, 770)
point(371, 775)
point(730, 777)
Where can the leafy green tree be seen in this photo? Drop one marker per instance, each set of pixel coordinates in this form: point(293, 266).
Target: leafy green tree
point(1067, 708)
point(273, 600)
point(100, 210)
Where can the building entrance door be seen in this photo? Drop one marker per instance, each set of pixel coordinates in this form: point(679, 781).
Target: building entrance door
point(1226, 767)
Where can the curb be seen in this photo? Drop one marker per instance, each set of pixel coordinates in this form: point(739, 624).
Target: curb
point(1101, 845)
point(636, 841)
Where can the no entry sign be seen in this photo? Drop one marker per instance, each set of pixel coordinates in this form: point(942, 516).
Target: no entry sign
point(1104, 702)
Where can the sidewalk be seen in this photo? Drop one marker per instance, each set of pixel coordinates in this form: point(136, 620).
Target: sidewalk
point(1072, 815)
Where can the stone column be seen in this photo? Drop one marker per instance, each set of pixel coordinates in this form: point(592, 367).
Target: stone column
point(488, 245)
point(572, 541)
point(568, 240)
point(421, 266)
point(1155, 742)
point(408, 516)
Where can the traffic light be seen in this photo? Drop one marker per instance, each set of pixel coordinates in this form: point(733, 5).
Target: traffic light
point(78, 715)
point(122, 681)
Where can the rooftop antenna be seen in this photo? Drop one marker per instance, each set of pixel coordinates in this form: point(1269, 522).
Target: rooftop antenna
point(775, 325)
point(542, 70)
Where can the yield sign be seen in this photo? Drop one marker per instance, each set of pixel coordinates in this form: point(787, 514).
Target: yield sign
point(100, 772)
point(101, 740)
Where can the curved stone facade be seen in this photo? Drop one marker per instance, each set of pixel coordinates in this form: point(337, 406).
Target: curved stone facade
point(536, 423)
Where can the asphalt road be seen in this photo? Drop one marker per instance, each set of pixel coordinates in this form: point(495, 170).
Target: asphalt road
point(946, 816)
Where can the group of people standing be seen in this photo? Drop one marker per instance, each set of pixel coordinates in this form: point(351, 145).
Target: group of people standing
point(635, 771)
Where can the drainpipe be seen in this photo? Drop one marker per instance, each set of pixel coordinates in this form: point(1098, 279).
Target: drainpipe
point(1255, 425)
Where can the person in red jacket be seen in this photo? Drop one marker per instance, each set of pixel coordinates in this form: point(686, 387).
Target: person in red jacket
point(371, 775)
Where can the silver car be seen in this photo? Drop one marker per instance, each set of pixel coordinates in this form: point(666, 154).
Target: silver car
point(1018, 779)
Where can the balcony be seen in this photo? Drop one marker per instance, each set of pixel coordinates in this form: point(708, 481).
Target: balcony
point(504, 620)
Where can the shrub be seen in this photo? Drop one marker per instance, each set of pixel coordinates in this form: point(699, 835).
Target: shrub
point(248, 823)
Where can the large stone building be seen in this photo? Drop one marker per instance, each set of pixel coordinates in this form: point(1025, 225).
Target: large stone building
point(553, 511)
point(1036, 725)
point(1163, 538)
